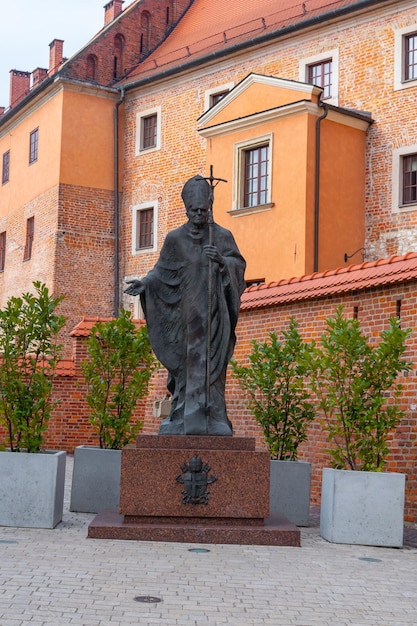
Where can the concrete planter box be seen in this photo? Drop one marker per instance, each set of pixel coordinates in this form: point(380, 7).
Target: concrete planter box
point(95, 479)
point(364, 508)
point(290, 490)
point(32, 489)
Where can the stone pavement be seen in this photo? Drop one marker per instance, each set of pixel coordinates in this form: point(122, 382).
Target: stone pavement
point(54, 577)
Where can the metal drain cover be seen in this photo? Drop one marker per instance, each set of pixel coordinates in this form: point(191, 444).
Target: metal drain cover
point(198, 550)
point(147, 599)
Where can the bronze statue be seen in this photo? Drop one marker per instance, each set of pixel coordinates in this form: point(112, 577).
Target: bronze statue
point(191, 301)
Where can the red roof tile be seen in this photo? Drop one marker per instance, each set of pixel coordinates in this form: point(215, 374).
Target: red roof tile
point(212, 26)
point(396, 269)
point(65, 367)
point(83, 328)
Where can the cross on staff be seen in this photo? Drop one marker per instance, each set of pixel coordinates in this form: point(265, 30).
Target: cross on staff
point(213, 182)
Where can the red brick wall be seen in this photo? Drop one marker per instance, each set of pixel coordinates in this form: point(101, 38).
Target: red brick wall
point(69, 425)
point(130, 27)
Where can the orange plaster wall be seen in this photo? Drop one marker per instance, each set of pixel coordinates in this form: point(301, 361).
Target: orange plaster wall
point(87, 140)
point(278, 233)
point(29, 181)
point(259, 97)
point(342, 194)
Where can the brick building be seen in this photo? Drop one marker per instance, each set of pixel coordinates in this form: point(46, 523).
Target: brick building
point(95, 150)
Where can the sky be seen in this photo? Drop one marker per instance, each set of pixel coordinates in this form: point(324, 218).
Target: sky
point(27, 27)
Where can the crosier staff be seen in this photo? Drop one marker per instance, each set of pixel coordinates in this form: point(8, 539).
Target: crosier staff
point(213, 182)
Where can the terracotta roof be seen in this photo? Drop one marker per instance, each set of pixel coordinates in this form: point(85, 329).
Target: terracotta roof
point(65, 367)
point(396, 269)
point(214, 26)
point(83, 328)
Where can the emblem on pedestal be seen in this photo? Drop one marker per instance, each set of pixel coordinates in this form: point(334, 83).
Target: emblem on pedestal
point(195, 479)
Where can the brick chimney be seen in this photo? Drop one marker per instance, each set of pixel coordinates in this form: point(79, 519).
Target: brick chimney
point(38, 75)
point(111, 10)
point(56, 55)
point(19, 86)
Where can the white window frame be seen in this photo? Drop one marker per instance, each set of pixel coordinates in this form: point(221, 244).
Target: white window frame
point(397, 185)
point(333, 55)
point(139, 117)
point(399, 34)
point(213, 92)
point(238, 169)
point(153, 204)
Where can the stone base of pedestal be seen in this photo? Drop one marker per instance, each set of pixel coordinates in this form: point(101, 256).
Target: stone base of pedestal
point(195, 490)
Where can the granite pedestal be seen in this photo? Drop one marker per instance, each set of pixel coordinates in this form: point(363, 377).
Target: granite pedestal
point(195, 489)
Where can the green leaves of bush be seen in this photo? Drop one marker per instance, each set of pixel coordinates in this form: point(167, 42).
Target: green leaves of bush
point(117, 373)
point(356, 384)
point(29, 326)
point(276, 387)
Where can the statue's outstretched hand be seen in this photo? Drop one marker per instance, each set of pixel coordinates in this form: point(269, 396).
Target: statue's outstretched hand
point(136, 287)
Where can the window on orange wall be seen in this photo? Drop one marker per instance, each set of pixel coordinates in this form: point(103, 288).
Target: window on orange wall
point(410, 57)
point(30, 232)
point(33, 145)
point(409, 179)
point(255, 176)
point(320, 74)
point(2, 251)
point(5, 173)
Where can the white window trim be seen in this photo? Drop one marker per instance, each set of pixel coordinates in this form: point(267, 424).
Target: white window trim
point(399, 34)
point(139, 116)
point(397, 155)
point(137, 208)
point(317, 58)
point(215, 90)
point(239, 149)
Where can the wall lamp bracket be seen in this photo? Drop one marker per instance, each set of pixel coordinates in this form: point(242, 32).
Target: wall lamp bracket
point(347, 256)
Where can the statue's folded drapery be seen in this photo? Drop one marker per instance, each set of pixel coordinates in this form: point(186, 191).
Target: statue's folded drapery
point(176, 307)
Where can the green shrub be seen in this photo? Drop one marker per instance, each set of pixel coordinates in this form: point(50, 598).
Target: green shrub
point(356, 384)
point(275, 384)
point(117, 373)
point(29, 326)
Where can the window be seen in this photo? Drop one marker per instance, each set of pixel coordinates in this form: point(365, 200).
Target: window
point(320, 74)
point(33, 145)
point(409, 179)
point(2, 250)
point(148, 134)
point(255, 176)
point(30, 230)
point(322, 70)
point(404, 179)
point(148, 130)
point(144, 220)
point(214, 95)
point(405, 57)
point(252, 166)
point(6, 167)
point(410, 57)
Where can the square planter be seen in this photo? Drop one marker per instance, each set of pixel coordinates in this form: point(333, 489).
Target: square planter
point(290, 490)
point(362, 507)
point(32, 489)
point(95, 479)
